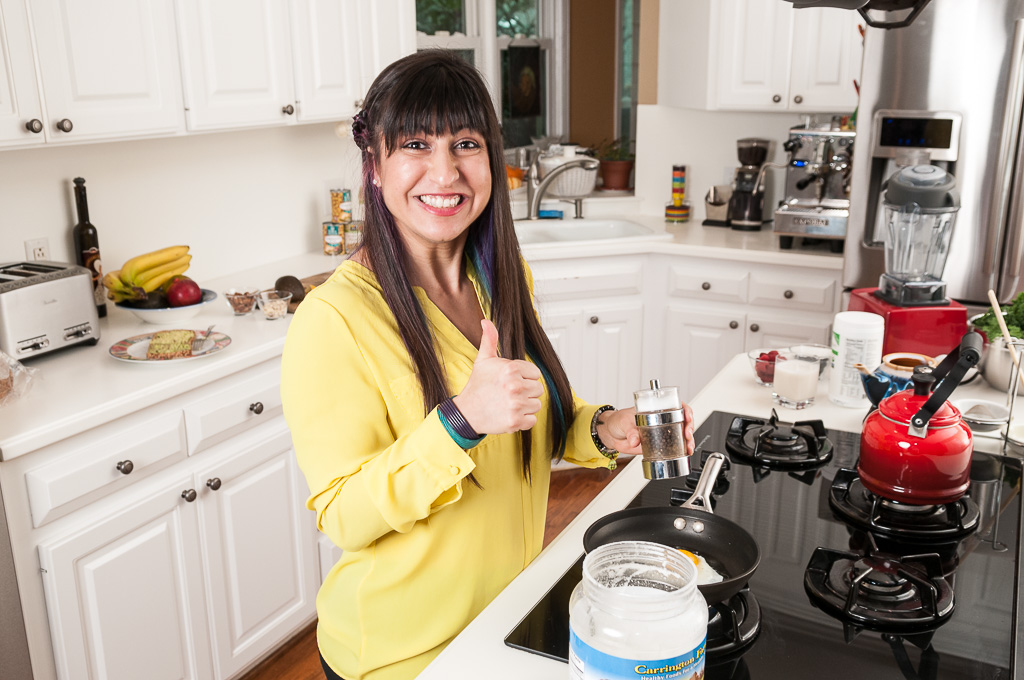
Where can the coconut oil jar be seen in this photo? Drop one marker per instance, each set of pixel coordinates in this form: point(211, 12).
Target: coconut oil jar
point(637, 614)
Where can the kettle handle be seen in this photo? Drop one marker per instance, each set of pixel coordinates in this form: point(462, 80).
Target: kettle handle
point(949, 372)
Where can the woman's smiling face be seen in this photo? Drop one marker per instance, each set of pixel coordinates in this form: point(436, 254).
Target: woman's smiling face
point(436, 185)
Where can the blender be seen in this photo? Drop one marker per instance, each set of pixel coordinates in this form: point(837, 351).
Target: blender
point(920, 204)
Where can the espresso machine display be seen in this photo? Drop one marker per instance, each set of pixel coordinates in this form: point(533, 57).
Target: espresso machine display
point(746, 205)
point(817, 202)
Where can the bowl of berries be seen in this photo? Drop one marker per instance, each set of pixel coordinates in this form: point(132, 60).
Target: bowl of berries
point(763, 361)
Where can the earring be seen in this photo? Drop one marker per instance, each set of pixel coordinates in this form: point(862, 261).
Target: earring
point(376, 182)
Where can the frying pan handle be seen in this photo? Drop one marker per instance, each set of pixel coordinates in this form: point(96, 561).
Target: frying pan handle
point(701, 498)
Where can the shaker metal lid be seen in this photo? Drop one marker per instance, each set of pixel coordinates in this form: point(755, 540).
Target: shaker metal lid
point(929, 186)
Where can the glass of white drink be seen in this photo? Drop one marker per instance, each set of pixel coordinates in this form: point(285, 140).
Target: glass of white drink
point(796, 380)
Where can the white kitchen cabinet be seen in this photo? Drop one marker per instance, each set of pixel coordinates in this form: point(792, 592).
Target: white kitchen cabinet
point(236, 63)
point(757, 55)
point(124, 594)
point(326, 40)
point(388, 32)
point(261, 561)
point(698, 342)
point(104, 70)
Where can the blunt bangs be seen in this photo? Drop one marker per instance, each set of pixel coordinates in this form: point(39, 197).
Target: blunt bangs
point(440, 98)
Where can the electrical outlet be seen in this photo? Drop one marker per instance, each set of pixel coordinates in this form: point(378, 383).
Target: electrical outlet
point(37, 249)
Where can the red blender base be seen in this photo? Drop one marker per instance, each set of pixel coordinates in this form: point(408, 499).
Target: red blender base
point(930, 330)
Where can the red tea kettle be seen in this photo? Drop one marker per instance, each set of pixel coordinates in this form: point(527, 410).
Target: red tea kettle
point(916, 448)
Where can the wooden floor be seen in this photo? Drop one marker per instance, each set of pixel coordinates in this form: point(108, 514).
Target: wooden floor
point(571, 490)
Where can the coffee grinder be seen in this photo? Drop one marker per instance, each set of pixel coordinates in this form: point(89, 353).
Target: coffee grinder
point(746, 205)
point(921, 204)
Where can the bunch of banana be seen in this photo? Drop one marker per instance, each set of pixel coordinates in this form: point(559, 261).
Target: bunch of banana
point(143, 274)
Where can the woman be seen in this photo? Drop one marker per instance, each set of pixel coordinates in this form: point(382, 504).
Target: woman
point(437, 501)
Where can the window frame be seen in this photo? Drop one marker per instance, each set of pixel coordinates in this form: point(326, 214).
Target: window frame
point(553, 29)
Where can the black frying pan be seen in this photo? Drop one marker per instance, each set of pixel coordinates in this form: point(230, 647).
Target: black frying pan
point(725, 545)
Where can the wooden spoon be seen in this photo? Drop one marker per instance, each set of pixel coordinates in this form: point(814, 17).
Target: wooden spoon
point(1006, 335)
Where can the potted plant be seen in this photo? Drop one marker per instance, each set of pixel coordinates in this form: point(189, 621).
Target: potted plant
point(617, 160)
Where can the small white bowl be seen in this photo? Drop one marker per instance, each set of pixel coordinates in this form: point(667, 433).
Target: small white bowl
point(168, 315)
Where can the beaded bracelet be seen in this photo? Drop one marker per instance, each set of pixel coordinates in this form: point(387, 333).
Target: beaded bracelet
point(458, 421)
point(608, 453)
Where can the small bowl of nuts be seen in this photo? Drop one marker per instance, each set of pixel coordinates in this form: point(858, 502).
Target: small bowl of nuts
point(274, 303)
point(242, 301)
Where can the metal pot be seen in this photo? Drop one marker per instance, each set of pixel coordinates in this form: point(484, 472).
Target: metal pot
point(916, 448)
point(997, 366)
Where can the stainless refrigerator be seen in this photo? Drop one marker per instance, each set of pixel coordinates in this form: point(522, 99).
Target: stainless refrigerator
point(947, 89)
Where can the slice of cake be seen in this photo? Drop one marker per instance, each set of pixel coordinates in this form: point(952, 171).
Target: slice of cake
point(170, 344)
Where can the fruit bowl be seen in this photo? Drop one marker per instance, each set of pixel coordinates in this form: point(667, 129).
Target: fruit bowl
point(763, 363)
point(167, 315)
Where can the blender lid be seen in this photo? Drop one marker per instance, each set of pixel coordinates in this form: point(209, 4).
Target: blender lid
point(929, 186)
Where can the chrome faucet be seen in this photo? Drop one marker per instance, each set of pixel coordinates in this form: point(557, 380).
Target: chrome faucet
point(535, 189)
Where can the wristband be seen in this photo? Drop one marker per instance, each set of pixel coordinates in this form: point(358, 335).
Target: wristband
point(605, 451)
point(458, 421)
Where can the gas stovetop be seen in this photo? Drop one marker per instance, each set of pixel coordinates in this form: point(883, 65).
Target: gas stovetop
point(949, 602)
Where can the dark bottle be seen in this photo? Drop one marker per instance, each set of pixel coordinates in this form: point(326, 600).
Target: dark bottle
point(87, 246)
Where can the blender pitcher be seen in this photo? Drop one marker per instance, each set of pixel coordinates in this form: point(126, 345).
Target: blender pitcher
point(920, 203)
point(660, 419)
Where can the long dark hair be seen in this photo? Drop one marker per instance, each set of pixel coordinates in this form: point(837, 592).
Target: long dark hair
point(435, 92)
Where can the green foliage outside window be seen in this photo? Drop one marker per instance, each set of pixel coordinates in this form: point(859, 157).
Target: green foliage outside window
point(517, 17)
point(440, 15)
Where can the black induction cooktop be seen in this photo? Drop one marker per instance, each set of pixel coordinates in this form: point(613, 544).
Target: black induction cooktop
point(789, 514)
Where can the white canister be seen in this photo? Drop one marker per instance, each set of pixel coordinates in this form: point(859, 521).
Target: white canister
point(637, 613)
point(856, 339)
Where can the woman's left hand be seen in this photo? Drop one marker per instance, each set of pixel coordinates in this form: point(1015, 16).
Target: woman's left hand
point(618, 431)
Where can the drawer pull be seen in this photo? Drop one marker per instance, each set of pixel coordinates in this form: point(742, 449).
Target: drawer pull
point(125, 467)
point(798, 99)
point(189, 495)
point(777, 98)
point(256, 408)
point(594, 319)
point(35, 126)
point(788, 295)
point(288, 110)
point(214, 483)
point(64, 125)
point(734, 324)
point(705, 286)
point(754, 328)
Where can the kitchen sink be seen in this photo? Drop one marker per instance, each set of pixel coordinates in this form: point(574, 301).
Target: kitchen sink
point(533, 232)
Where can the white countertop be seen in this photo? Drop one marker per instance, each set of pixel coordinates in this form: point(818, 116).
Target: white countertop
point(83, 387)
point(481, 645)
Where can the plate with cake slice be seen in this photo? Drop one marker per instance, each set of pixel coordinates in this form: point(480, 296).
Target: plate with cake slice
point(169, 345)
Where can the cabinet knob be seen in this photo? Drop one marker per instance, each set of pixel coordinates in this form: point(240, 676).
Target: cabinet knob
point(64, 125)
point(256, 408)
point(288, 110)
point(734, 324)
point(189, 495)
point(214, 483)
point(358, 103)
point(798, 99)
point(788, 295)
point(705, 286)
point(125, 467)
point(754, 328)
point(777, 98)
point(594, 319)
point(35, 125)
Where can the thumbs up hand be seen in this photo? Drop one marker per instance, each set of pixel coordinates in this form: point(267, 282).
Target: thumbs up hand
point(502, 395)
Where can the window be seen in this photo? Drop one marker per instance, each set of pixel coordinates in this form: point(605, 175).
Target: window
point(513, 43)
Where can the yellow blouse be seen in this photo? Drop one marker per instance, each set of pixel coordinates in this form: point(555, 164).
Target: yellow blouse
point(424, 549)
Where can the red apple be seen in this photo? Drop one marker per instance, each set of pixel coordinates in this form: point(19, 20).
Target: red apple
point(184, 292)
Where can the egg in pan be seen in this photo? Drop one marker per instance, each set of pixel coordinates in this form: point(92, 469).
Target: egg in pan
point(706, 574)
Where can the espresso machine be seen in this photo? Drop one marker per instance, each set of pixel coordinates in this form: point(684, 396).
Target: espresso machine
point(817, 202)
point(920, 204)
point(746, 205)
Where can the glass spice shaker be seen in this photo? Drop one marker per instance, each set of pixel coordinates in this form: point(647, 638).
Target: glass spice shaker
point(660, 419)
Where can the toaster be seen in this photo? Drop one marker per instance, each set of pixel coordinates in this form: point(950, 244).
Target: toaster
point(45, 306)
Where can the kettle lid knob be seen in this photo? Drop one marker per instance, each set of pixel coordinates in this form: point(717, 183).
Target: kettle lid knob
point(923, 380)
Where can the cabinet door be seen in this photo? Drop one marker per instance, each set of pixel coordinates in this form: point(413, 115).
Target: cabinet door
point(19, 93)
point(610, 352)
point(388, 33)
point(108, 69)
point(767, 330)
point(124, 596)
point(827, 51)
point(325, 40)
point(753, 54)
point(561, 323)
point(261, 561)
point(698, 344)
point(236, 63)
